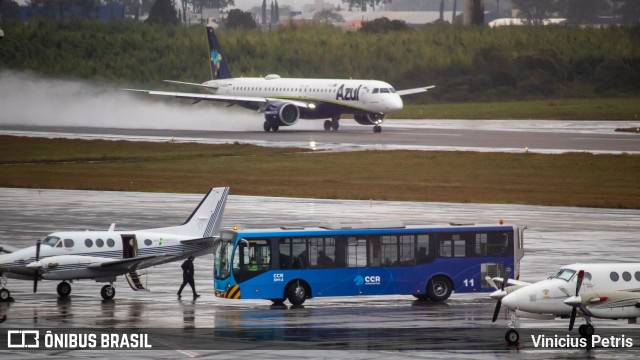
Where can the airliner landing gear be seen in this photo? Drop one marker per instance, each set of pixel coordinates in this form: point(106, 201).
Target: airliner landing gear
point(64, 289)
point(333, 124)
point(268, 127)
point(377, 129)
point(108, 292)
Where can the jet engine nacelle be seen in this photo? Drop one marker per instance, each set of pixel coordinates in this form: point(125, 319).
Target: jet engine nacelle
point(282, 114)
point(369, 119)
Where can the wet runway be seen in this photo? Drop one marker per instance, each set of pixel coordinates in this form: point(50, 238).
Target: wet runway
point(540, 136)
point(555, 236)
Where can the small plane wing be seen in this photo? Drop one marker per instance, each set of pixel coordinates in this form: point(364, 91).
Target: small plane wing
point(510, 282)
point(126, 265)
point(414, 90)
point(611, 299)
point(223, 98)
point(7, 249)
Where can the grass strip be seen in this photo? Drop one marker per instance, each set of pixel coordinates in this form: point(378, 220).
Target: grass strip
point(572, 179)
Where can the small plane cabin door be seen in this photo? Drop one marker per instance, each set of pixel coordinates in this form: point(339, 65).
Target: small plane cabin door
point(129, 246)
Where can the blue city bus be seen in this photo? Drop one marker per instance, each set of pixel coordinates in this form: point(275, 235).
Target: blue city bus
point(428, 262)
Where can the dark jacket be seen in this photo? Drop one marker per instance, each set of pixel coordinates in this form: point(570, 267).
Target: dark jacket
point(187, 269)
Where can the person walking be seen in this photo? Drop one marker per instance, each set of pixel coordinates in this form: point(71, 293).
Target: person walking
point(187, 277)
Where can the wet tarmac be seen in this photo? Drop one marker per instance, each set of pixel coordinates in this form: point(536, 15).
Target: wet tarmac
point(555, 236)
point(539, 136)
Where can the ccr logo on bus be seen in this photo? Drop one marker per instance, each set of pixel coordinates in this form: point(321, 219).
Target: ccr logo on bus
point(278, 277)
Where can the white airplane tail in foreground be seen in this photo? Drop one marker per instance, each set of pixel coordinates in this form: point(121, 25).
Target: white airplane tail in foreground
point(284, 101)
point(104, 255)
point(605, 291)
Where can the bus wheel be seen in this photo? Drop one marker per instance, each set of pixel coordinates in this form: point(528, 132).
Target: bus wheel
point(296, 293)
point(439, 288)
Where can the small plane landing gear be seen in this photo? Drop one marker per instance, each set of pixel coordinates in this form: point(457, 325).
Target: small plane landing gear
point(586, 330)
point(268, 127)
point(108, 292)
point(5, 295)
point(512, 336)
point(377, 129)
point(64, 289)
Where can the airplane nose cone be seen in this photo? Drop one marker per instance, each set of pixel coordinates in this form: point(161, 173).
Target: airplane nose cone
point(510, 301)
point(395, 104)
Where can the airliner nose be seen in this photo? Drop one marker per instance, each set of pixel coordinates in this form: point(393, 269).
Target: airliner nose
point(394, 104)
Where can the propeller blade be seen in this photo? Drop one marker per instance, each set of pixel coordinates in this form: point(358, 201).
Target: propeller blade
point(35, 277)
point(38, 244)
point(579, 282)
point(505, 278)
point(496, 311)
point(573, 318)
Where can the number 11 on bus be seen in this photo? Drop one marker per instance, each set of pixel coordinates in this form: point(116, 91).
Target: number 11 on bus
point(428, 262)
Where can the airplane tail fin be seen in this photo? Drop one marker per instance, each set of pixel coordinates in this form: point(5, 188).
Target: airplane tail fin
point(219, 66)
point(205, 220)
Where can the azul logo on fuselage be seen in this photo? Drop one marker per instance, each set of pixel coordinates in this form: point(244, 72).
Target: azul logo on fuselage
point(348, 93)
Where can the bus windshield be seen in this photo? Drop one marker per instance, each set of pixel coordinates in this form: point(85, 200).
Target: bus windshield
point(221, 256)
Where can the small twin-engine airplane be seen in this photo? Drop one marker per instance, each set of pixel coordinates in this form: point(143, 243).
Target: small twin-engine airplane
point(286, 100)
point(104, 255)
point(605, 291)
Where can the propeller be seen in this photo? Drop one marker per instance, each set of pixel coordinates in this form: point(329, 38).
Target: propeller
point(500, 295)
point(37, 274)
point(575, 302)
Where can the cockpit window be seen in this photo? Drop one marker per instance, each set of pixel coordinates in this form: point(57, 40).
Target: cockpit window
point(375, 91)
point(384, 90)
point(565, 274)
point(51, 241)
point(392, 90)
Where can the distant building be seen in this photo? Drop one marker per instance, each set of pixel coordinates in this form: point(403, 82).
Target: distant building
point(519, 22)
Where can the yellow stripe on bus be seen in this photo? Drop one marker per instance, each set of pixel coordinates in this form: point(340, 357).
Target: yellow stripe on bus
point(233, 293)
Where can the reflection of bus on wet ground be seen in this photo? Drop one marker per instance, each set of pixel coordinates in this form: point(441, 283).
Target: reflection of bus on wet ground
point(428, 262)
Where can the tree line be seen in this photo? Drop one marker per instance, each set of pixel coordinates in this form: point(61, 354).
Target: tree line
point(466, 63)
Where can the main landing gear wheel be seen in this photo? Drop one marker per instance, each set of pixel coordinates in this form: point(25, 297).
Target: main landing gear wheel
point(296, 293)
point(335, 124)
point(327, 125)
point(4, 295)
point(64, 289)
point(377, 129)
point(108, 292)
point(439, 288)
point(512, 336)
point(268, 127)
point(586, 330)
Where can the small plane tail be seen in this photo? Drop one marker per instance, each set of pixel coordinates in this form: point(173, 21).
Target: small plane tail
point(219, 66)
point(205, 220)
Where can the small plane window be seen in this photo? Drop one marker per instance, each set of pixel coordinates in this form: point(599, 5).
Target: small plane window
point(88, 243)
point(637, 275)
point(51, 240)
point(587, 276)
point(111, 243)
point(565, 274)
point(614, 276)
point(99, 242)
point(68, 243)
point(626, 276)
point(148, 242)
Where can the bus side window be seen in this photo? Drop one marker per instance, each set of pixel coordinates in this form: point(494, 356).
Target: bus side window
point(286, 260)
point(424, 253)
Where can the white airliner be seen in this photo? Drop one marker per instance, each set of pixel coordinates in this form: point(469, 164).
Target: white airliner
point(606, 291)
point(104, 255)
point(284, 101)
